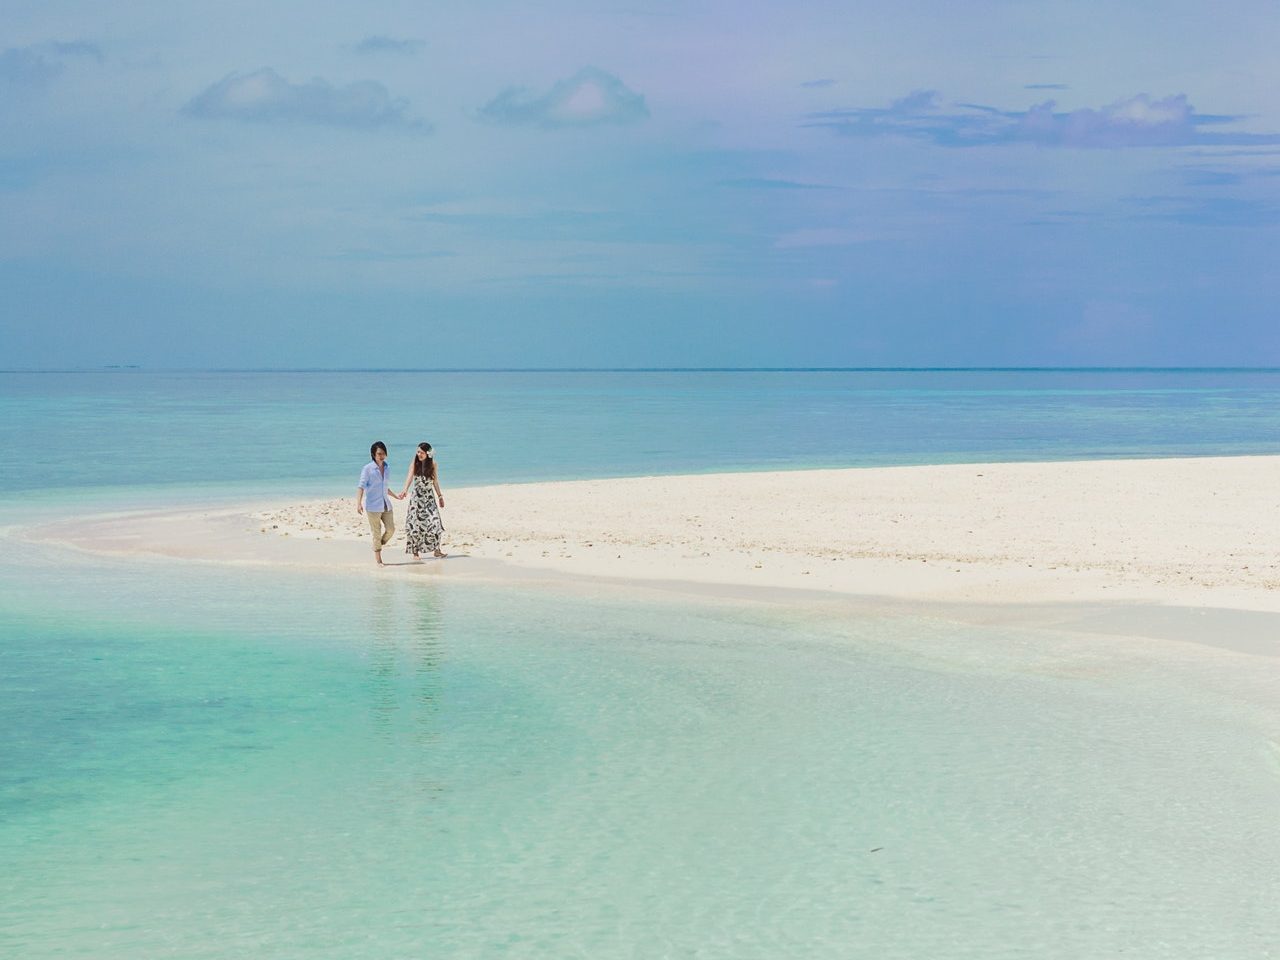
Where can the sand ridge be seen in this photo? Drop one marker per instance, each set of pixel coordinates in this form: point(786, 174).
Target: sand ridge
point(1150, 529)
point(1202, 531)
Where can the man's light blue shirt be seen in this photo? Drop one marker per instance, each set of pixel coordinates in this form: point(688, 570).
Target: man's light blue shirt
point(373, 481)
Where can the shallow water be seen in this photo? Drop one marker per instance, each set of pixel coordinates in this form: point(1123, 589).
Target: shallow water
point(203, 763)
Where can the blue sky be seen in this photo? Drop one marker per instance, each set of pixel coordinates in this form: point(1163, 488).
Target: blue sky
point(639, 184)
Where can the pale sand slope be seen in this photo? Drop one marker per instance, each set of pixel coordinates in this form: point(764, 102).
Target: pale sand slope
point(1182, 531)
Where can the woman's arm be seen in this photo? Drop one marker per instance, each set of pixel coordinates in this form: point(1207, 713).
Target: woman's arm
point(408, 481)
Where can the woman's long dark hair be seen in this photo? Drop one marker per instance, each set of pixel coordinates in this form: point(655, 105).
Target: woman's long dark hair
point(425, 468)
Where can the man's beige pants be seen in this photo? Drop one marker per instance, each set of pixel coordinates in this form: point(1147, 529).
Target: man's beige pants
point(382, 525)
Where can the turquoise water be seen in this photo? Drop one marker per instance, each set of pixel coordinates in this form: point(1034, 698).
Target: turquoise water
point(381, 769)
point(98, 434)
point(203, 762)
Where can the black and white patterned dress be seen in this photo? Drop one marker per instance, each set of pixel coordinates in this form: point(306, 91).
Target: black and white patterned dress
point(423, 528)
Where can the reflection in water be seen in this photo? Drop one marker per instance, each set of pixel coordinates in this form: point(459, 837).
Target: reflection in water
point(406, 655)
point(427, 652)
point(406, 630)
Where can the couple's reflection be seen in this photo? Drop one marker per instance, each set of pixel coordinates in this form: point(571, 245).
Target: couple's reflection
point(406, 655)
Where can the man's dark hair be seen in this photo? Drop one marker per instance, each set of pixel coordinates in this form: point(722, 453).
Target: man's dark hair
point(377, 445)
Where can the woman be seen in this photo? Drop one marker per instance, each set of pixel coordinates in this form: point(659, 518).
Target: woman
point(423, 527)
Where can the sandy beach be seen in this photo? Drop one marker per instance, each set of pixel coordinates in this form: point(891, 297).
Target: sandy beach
point(1176, 531)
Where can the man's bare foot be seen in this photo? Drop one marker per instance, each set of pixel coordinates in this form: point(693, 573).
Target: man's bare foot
point(377, 555)
point(440, 553)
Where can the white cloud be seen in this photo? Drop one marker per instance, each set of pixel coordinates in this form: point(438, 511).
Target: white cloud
point(589, 98)
point(1137, 121)
point(266, 97)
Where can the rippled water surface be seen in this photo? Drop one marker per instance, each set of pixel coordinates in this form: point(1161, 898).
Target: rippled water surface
point(278, 768)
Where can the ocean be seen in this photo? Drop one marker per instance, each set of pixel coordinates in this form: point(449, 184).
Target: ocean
point(199, 761)
point(196, 434)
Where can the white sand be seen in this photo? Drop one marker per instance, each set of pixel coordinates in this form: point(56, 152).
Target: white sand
point(1180, 531)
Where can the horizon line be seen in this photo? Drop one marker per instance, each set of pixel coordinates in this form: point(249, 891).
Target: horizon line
point(138, 368)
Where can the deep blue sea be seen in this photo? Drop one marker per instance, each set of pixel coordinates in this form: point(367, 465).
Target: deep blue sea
point(208, 762)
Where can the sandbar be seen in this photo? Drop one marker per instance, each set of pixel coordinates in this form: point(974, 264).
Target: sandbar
point(1189, 531)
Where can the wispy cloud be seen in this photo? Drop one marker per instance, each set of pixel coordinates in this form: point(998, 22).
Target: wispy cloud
point(1104, 326)
point(589, 98)
point(820, 237)
point(77, 48)
point(1215, 177)
point(41, 62)
point(1044, 86)
point(1206, 211)
point(757, 183)
point(22, 65)
point(383, 44)
point(266, 97)
point(824, 82)
point(537, 225)
point(1138, 121)
point(1212, 178)
point(369, 255)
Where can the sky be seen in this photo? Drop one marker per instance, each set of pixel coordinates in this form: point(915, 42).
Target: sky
point(573, 184)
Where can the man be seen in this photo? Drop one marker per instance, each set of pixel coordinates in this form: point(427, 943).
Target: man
point(373, 499)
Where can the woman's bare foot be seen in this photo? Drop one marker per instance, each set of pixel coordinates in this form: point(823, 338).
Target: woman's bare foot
point(416, 557)
point(440, 553)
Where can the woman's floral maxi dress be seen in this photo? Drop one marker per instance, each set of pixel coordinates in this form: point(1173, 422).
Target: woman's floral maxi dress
point(423, 528)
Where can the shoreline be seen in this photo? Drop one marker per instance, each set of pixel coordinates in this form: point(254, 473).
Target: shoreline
point(1198, 532)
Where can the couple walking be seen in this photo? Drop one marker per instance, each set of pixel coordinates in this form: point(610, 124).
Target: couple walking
point(424, 528)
